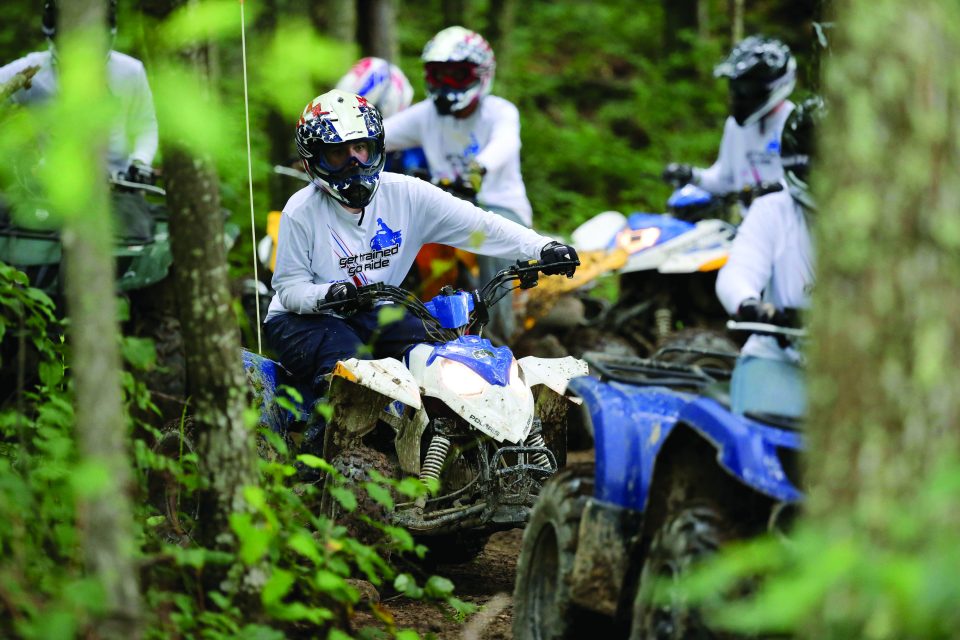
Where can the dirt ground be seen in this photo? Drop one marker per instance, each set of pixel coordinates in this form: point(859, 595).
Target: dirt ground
point(486, 582)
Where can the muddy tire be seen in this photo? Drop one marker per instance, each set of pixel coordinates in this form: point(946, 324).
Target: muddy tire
point(704, 340)
point(354, 464)
point(690, 534)
point(541, 600)
point(180, 508)
point(455, 548)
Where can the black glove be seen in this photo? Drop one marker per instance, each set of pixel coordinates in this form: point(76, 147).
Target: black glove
point(341, 292)
point(140, 173)
point(753, 310)
point(557, 254)
point(678, 174)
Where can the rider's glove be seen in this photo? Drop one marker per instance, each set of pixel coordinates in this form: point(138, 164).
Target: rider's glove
point(140, 172)
point(474, 175)
point(556, 254)
point(341, 292)
point(753, 310)
point(678, 174)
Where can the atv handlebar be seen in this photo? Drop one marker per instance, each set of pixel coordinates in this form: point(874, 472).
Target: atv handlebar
point(766, 329)
point(526, 273)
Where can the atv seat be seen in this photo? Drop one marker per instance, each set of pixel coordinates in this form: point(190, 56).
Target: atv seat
point(771, 391)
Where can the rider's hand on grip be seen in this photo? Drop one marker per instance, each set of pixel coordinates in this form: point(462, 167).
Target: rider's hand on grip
point(678, 174)
point(558, 259)
point(344, 292)
point(753, 310)
point(140, 173)
point(474, 175)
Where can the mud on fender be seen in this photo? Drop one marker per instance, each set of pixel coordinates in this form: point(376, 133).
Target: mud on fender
point(555, 373)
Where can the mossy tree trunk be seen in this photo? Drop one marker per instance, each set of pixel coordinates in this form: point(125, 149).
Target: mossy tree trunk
point(377, 29)
point(884, 391)
point(103, 511)
point(215, 380)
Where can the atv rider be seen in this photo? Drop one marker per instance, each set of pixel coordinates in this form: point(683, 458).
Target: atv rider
point(762, 75)
point(133, 138)
point(770, 270)
point(470, 137)
point(386, 86)
point(357, 225)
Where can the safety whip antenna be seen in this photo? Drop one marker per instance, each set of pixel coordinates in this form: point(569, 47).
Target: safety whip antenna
point(253, 221)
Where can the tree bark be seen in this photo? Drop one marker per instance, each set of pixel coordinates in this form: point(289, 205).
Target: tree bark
point(499, 28)
point(736, 20)
point(376, 29)
point(454, 13)
point(336, 19)
point(679, 15)
point(885, 401)
point(104, 511)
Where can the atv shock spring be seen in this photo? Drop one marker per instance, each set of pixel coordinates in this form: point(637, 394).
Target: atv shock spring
point(436, 455)
point(539, 459)
point(663, 320)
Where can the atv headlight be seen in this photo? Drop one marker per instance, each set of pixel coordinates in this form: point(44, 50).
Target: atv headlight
point(634, 240)
point(461, 379)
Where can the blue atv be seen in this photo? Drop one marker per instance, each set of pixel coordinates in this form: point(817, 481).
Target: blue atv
point(687, 459)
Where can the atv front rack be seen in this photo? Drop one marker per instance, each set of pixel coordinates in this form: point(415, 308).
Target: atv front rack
point(655, 372)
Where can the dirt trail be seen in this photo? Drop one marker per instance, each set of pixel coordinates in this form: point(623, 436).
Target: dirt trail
point(486, 582)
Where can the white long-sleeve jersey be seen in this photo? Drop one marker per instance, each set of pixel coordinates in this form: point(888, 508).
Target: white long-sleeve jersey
point(748, 155)
point(771, 259)
point(321, 243)
point(490, 135)
point(134, 134)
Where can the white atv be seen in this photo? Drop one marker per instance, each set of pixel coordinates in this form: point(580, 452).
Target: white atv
point(489, 428)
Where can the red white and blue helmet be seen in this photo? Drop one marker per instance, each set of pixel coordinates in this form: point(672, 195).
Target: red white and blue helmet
point(459, 66)
point(332, 119)
point(381, 83)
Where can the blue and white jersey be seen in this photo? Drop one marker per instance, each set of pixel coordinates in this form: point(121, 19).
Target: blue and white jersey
point(490, 135)
point(749, 155)
point(320, 242)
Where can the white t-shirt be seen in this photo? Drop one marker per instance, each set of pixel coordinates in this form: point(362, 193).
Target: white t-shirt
point(320, 242)
point(771, 259)
point(490, 135)
point(134, 135)
point(748, 155)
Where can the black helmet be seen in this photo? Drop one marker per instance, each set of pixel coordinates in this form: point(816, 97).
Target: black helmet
point(797, 146)
point(49, 18)
point(762, 74)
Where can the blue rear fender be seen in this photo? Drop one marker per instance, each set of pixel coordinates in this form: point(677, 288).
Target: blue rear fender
point(630, 425)
point(746, 448)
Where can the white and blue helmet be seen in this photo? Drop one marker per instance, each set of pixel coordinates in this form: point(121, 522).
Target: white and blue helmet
point(381, 83)
point(459, 66)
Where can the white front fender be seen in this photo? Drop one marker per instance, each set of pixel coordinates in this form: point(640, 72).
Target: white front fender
point(387, 376)
point(556, 373)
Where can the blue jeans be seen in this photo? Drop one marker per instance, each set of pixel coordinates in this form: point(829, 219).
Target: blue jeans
point(309, 345)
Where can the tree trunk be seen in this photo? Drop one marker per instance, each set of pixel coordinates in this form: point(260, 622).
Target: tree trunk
point(885, 398)
point(499, 28)
point(736, 20)
point(215, 380)
point(454, 13)
point(336, 19)
point(376, 29)
point(104, 512)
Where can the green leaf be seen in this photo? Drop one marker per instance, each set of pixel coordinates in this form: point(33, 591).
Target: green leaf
point(345, 497)
point(407, 634)
point(406, 584)
point(439, 587)
point(140, 353)
point(51, 373)
point(91, 478)
point(156, 521)
point(314, 462)
point(336, 634)
point(304, 544)
point(412, 487)
point(380, 494)
point(278, 585)
point(388, 314)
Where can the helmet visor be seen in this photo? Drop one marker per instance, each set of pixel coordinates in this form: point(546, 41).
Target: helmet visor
point(342, 157)
point(452, 75)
